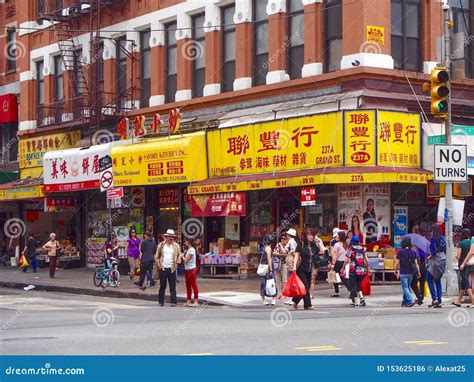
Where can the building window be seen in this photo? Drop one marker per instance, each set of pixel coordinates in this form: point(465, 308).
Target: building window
point(11, 49)
point(228, 48)
point(145, 63)
point(333, 33)
point(260, 58)
point(199, 55)
point(122, 70)
point(406, 30)
point(295, 38)
point(171, 63)
point(40, 10)
point(462, 63)
point(58, 79)
point(100, 70)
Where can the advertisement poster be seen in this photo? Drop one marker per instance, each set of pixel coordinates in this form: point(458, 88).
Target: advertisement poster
point(350, 210)
point(400, 225)
point(224, 204)
point(232, 228)
point(376, 215)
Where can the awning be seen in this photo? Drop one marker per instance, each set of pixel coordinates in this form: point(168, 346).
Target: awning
point(22, 189)
point(171, 160)
point(333, 175)
point(75, 169)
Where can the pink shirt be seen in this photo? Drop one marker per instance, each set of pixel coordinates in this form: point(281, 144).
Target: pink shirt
point(340, 251)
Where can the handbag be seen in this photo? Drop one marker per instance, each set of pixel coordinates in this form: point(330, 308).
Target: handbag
point(23, 262)
point(270, 288)
point(276, 264)
point(471, 261)
point(262, 270)
point(331, 278)
point(320, 260)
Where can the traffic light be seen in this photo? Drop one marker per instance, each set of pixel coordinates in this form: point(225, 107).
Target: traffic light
point(439, 92)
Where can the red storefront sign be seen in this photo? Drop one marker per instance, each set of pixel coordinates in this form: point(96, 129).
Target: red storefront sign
point(308, 196)
point(8, 108)
point(225, 204)
point(115, 193)
point(60, 205)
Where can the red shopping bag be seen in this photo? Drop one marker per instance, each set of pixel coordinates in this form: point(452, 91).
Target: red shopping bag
point(294, 287)
point(365, 286)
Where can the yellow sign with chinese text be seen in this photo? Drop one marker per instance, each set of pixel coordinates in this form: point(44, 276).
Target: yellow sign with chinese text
point(298, 143)
point(160, 161)
point(399, 139)
point(32, 150)
point(360, 137)
point(16, 193)
point(375, 34)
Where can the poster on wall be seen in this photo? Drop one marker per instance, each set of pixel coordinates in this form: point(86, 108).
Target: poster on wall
point(376, 215)
point(350, 211)
point(232, 228)
point(400, 225)
point(223, 204)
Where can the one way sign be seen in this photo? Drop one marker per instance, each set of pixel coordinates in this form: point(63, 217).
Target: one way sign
point(450, 164)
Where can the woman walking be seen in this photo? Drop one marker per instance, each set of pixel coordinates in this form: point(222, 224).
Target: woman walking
point(279, 266)
point(53, 247)
point(406, 267)
point(133, 252)
point(463, 249)
point(267, 258)
point(339, 255)
point(436, 266)
point(305, 252)
point(358, 263)
point(190, 272)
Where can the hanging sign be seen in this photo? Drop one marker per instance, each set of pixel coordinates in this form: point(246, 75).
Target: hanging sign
point(106, 178)
point(308, 196)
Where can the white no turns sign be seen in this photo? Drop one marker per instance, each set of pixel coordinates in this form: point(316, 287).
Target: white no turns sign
point(450, 163)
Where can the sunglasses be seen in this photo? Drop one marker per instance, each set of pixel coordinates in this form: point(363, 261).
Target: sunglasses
point(133, 232)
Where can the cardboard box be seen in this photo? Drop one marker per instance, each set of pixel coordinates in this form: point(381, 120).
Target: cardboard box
point(244, 250)
point(253, 245)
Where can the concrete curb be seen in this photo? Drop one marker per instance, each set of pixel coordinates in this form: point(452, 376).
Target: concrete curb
point(100, 293)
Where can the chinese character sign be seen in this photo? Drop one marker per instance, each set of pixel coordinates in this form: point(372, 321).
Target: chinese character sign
point(298, 143)
point(398, 137)
point(360, 137)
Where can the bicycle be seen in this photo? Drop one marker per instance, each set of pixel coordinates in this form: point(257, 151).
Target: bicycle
point(103, 275)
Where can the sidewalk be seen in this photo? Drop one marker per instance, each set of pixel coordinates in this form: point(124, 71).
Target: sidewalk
point(242, 293)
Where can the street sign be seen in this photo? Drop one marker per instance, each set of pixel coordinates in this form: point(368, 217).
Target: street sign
point(106, 178)
point(308, 196)
point(115, 193)
point(105, 163)
point(450, 164)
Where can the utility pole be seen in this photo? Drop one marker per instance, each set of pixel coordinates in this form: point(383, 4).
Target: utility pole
point(450, 275)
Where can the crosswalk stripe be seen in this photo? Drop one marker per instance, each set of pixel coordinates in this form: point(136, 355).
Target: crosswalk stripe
point(197, 354)
point(425, 342)
point(318, 348)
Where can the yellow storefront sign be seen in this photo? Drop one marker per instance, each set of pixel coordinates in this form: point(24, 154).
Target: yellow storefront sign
point(32, 150)
point(17, 193)
point(398, 139)
point(160, 161)
point(298, 143)
point(375, 34)
point(360, 137)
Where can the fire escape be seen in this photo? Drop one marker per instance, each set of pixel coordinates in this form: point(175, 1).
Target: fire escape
point(91, 105)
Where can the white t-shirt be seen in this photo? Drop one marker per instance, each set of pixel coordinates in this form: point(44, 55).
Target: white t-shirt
point(168, 255)
point(291, 245)
point(191, 264)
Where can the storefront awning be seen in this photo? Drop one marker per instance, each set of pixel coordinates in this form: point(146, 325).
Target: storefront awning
point(172, 160)
point(22, 189)
point(75, 169)
point(334, 175)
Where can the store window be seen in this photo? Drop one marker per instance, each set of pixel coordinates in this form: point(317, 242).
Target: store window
point(122, 70)
point(171, 62)
point(333, 33)
point(462, 39)
point(260, 58)
point(323, 215)
point(11, 49)
point(295, 38)
point(228, 48)
point(199, 55)
point(145, 84)
point(406, 34)
point(58, 79)
point(261, 220)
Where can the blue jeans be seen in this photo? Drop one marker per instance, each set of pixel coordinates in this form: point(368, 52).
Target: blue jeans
point(435, 288)
point(405, 280)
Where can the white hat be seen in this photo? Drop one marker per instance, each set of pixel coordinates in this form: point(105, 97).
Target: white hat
point(335, 231)
point(170, 232)
point(291, 232)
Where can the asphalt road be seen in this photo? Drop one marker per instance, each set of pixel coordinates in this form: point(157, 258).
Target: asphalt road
point(53, 323)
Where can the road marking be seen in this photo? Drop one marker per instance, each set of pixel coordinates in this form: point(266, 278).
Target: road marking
point(197, 354)
point(319, 348)
point(426, 342)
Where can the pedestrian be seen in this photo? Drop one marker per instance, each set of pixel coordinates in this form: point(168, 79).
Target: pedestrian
point(462, 251)
point(334, 239)
point(305, 252)
point(14, 247)
point(167, 259)
point(147, 257)
point(436, 266)
point(418, 283)
point(279, 264)
point(133, 252)
point(406, 267)
point(314, 267)
point(29, 252)
point(339, 255)
point(267, 258)
point(358, 267)
point(190, 271)
point(292, 243)
point(53, 247)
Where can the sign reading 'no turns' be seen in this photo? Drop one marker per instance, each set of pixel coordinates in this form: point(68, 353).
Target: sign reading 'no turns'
point(450, 163)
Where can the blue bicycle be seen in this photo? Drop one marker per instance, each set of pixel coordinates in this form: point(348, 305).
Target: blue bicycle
point(103, 275)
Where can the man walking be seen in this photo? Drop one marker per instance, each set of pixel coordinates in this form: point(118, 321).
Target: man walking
point(147, 257)
point(167, 259)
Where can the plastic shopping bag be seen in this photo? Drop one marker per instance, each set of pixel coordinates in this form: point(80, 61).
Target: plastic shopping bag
point(23, 262)
point(294, 287)
point(331, 279)
point(365, 286)
point(270, 288)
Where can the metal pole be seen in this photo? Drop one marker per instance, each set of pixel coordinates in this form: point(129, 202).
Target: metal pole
point(450, 275)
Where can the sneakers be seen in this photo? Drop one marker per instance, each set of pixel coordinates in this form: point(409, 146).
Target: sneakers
point(362, 302)
point(289, 302)
point(354, 305)
point(273, 303)
point(266, 303)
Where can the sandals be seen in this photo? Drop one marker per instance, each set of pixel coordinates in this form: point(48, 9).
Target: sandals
point(335, 295)
point(433, 303)
point(456, 304)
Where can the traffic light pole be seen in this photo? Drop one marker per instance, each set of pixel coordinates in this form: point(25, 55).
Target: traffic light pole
point(450, 275)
